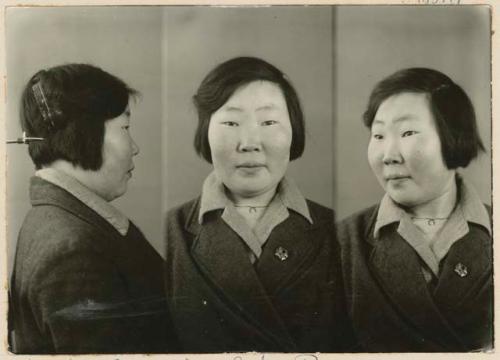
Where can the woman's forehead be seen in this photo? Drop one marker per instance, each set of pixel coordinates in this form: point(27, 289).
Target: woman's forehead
point(403, 108)
point(257, 91)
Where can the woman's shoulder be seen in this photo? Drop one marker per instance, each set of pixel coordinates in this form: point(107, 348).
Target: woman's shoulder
point(357, 223)
point(320, 211)
point(53, 223)
point(181, 214)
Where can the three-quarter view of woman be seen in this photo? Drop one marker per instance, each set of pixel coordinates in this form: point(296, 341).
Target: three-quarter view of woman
point(417, 266)
point(251, 264)
point(85, 279)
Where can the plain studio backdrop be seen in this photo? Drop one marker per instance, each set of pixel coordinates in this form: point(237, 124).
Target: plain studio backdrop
point(332, 55)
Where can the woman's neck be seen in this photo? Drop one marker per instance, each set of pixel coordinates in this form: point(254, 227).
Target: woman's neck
point(253, 200)
point(439, 207)
point(251, 208)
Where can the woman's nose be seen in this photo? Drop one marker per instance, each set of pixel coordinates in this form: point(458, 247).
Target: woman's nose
point(249, 139)
point(135, 148)
point(392, 155)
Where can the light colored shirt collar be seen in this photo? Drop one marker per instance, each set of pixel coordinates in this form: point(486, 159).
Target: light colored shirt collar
point(213, 197)
point(388, 212)
point(86, 196)
point(255, 238)
point(470, 204)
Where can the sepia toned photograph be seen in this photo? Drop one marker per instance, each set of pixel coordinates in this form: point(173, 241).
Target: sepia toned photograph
point(281, 179)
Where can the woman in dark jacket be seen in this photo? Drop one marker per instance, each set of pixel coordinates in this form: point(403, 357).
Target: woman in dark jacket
point(418, 266)
point(251, 264)
point(85, 279)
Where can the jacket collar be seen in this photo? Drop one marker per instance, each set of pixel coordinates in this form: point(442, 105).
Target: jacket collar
point(109, 213)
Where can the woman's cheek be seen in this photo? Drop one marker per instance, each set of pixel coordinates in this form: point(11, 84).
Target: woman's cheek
point(375, 160)
point(220, 146)
point(374, 155)
point(414, 156)
point(279, 140)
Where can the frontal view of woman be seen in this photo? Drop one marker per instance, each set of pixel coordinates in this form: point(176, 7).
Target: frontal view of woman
point(85, 279)
point(418, 266)
point(251, 263)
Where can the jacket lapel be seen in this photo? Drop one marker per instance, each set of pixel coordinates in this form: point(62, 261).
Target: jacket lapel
point(288, 251)
point(397, 267)
point(223, 258)
point(465, 269)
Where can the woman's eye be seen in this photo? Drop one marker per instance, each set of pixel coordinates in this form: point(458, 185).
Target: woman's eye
point(126, 127)
point(230, 123)
point(269, 122)
point(408, 133)
point(377, 136)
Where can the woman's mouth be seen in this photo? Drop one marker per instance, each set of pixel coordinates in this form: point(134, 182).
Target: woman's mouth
point(250, 168)
point(250, 165)
point(396, 180)
point(396, 177)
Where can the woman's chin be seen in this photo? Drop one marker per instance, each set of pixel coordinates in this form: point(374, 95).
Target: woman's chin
point(250, 191)
point(403, 199)
point(249, 186)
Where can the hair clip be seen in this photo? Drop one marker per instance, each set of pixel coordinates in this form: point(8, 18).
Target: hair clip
point(441, 87)
point(25, 139)
point(42, 103)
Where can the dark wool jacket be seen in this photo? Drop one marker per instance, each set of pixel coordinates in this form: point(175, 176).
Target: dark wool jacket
point(393, 309)
point(79, 286)
point(220, 302)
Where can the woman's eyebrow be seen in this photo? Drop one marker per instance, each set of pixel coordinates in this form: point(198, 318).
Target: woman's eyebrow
point(232, 108)
point(270, 106)
point(408, 117)
point(403, 118)
point(265, 107)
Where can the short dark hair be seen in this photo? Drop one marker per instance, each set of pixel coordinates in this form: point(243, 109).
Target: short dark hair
point(449, 104)
point(221, 83)
point(67, 105)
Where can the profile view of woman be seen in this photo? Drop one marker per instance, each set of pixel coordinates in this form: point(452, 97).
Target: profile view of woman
point(418, 266)
point(85, 279)
point(251, 263)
